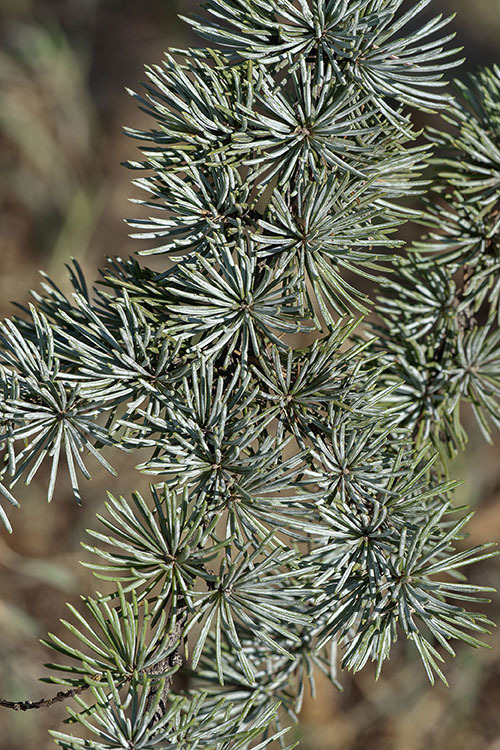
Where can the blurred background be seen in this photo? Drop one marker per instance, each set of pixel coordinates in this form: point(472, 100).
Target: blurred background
point(64, 65)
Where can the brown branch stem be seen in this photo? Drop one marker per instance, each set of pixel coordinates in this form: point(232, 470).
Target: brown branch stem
point(43, 702)
point(173, 659)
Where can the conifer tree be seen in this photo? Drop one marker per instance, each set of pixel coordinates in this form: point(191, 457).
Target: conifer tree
point(300, 504)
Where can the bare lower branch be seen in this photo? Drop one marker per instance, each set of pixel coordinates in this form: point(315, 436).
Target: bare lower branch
point(43, 702)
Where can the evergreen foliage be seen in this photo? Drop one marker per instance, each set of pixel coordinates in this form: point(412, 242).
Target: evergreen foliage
point(300, 502)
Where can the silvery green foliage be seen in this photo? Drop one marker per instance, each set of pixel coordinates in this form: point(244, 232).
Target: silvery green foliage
point(298, 508)
point(439, 328)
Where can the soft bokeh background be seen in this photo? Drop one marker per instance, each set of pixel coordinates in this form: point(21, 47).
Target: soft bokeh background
point(63, 68)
